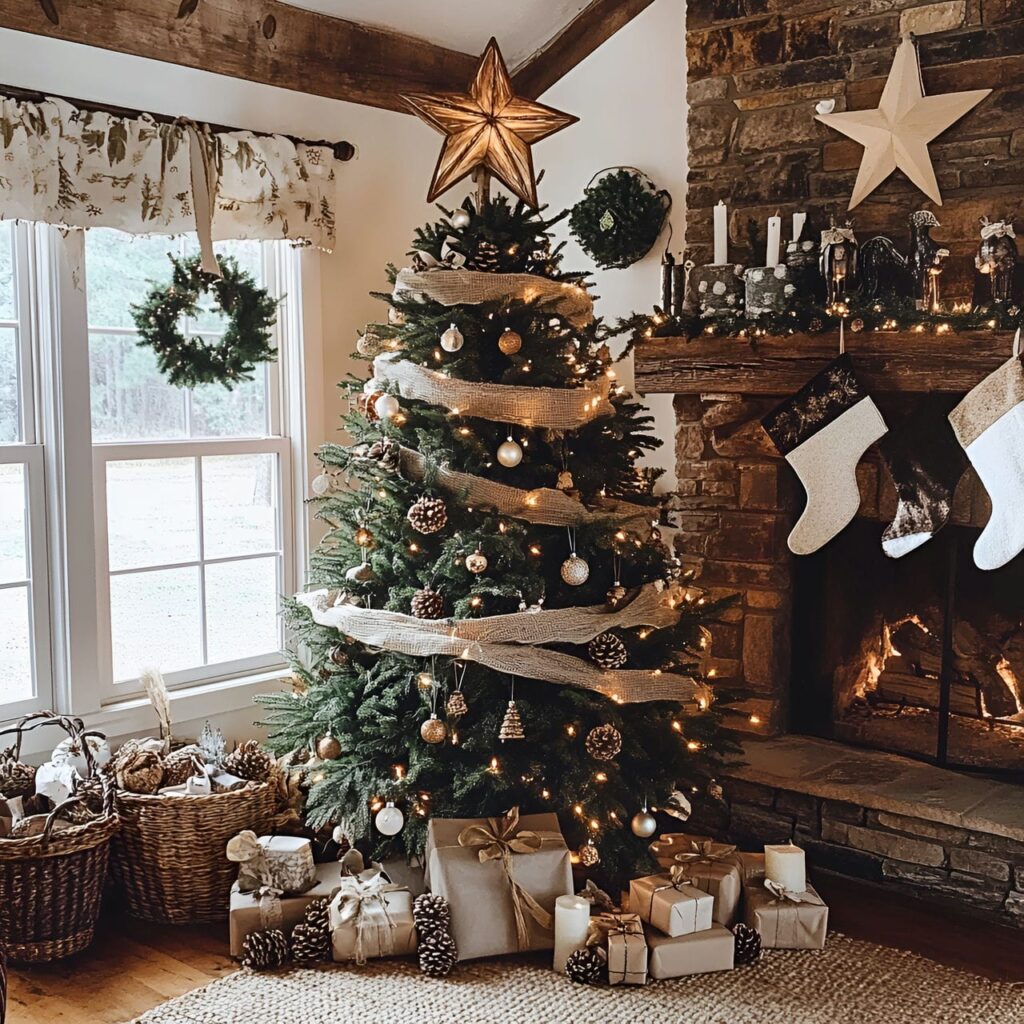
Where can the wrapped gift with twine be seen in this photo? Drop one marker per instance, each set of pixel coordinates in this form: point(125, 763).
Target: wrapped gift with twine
point(284, 863)
point(371, 917)
point(265, 907)
point(785, 919)
point(669, 902)
point(621, 936)
point(501, 877)
point(668, 844)
point(699, 953)
point(711, 867)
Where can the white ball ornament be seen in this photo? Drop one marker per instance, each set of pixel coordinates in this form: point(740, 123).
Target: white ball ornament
point(452, 339)
point(460, 219)
point(575, 570)
point(509, 453)
point(476, 562)
point(643, 824)
point(321, 484)
point(386, 406)
point(389, 820)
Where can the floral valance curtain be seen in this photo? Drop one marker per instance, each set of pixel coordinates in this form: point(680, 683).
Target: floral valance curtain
point(79, 168)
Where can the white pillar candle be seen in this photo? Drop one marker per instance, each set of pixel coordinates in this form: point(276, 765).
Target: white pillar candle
point(799, 220)
point(774, 241)
point(572, 919)
point(785, 866)
point(721, 234)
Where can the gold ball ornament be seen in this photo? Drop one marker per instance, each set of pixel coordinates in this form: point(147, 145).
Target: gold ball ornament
point(424, 682)
point(433, 730)
point(364, 537)
point(328, 748)
point(643, 824)
point(509, 453)
point(452, 339)
point(575, 571)
point(589, 856)
point(476, 562)
point(510, 342)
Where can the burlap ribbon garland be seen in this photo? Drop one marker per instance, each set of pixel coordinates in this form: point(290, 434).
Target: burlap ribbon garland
point(512, 643)
point(500, 839)
point(364, 907)
point(470, 288)
point(555, 408)
point(544, 506)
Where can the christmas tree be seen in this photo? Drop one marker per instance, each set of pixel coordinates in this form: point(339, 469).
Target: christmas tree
point(493, 608)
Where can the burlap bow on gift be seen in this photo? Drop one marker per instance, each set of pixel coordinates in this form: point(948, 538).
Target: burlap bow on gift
point(363, 905)
point(704, 851)
point(255, 876)
point(784, 895)
point(499, 840)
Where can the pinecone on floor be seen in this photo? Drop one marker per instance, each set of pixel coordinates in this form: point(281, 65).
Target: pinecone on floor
point(427, 604)
point(607, 650)
point(16, 778)
point(310, 944)
point(487, 257)
point(431, 912)
point(249, 761)
point(265, 951)
point(436, 947)
point(748, 945)
point(585, 966)
point(427, 515)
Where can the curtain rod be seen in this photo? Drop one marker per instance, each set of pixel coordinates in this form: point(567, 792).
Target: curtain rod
point(342, 150)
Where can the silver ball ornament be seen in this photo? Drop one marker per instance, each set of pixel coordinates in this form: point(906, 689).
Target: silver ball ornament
point(509, 453)
point(575, 571)
point(452, 339)
point(460, 218)
point(643, 824)
point(386, 406)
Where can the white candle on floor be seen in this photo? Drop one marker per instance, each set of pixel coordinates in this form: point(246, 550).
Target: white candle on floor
point(785, 865)
point(721, 234)
point(572, 919)
point(774, 241)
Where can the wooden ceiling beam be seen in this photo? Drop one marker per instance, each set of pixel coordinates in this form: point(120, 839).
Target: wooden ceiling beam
point(595, 24)
point(259, 40)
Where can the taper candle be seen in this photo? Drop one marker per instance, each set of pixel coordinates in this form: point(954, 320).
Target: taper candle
point(572, 920)
point(721, 234)
point(785, 865)
point(667, 263)
point(799, 220)
point(774, 241)
point(679, 272)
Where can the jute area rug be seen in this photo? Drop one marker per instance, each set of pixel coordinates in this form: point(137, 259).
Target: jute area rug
point(849, 982)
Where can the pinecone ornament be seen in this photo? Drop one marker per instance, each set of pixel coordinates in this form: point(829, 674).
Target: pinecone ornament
point(427, 604)
point(512, 724)
point(436, 948)
point(486, 257)
point(427, 515)
point(608, 651)
point(589, 855)
point(310, 944)
point(265, 951)
point(16, 778)
point(585, 966)
point(249, 761)
point(603, 742)
point(748, 944)
point(387, 453)
point(456, 705)
point(180, 765)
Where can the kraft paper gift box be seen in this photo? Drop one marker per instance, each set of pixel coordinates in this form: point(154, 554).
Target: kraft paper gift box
point(371, 917)
point(290, 859)
point(699, 953)
point(669, 903)
point(249, 912)
point(622, 938)
point(486, 868)
point(668, 844)
point(786, 920)
point(751, 867)
point(711, 867)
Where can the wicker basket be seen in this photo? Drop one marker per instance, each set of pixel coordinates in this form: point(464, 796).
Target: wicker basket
point(168, 857)
point(51, 884)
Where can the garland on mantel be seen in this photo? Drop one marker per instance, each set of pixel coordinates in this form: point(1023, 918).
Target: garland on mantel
point(810, 318)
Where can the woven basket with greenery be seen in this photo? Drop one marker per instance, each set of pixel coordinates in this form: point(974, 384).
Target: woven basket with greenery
point(168, 858)
point(51, 884)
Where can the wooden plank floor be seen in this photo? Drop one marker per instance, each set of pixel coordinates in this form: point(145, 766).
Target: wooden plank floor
point(132, 966)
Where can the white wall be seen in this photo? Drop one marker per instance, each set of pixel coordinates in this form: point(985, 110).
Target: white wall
point(629, 96)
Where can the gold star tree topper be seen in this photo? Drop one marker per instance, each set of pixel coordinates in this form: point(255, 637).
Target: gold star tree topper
point(488, 127)
point(896, 135)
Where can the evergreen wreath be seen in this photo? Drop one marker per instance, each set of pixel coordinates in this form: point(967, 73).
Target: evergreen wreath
point(619, 218)
point(190, 361)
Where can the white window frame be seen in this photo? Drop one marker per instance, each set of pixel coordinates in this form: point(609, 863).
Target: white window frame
point(66, 474)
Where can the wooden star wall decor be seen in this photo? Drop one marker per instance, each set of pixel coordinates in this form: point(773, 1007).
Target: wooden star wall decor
point(488, 127)
point(897, 133)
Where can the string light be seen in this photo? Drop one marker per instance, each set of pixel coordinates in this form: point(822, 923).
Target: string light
point(398, 771)
point(577, 809)
point(494, 767)
point(692, 746)
point(600, 777)
point(570, 730)
point(545, 794)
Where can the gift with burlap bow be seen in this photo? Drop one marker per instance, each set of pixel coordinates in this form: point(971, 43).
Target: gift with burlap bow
point(371, 917)
point(712, 867)
point(671, 903)
point(501, 877)
point(786, 919)
point(621, 937)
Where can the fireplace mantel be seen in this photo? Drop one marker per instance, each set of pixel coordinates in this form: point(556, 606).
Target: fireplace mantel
point(887, 361)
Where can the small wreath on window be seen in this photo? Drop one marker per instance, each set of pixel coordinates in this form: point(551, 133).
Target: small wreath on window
point(188, 361)
point(620, 216)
